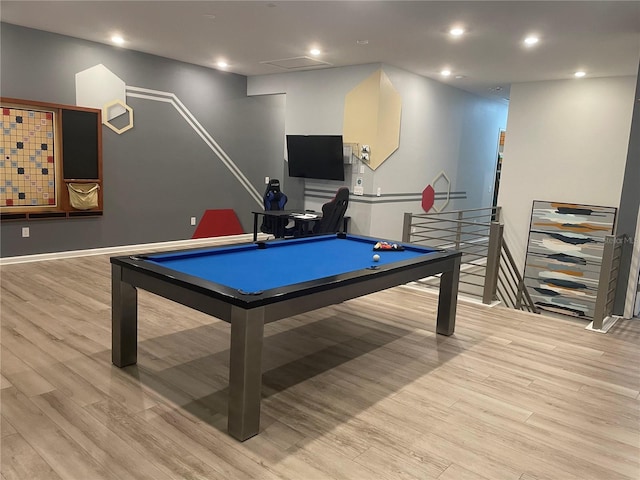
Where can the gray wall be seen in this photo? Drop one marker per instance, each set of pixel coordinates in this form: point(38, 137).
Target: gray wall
point(629, 203)
point(160, 173)
point(442, 129)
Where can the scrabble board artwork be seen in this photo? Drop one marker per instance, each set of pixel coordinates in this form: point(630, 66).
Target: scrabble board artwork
point(27, 158)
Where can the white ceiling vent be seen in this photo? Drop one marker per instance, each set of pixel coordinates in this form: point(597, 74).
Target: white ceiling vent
point(296, 62)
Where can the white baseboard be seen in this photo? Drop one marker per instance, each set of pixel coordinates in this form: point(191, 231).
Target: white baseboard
point(211, 241)
point(607, 323)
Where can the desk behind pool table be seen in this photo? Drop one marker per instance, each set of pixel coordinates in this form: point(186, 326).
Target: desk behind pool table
point(251, 284)
point(304, 221)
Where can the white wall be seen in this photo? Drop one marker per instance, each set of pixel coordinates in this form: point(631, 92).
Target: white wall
point(442, 128)
point(566, 141)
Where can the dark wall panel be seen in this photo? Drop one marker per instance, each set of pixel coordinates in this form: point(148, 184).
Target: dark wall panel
point(80, 145)
point(629, 202)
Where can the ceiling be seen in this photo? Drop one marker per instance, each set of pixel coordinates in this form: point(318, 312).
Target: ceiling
point(599, 37)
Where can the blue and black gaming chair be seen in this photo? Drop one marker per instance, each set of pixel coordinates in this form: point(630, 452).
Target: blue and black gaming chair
point(274, 199)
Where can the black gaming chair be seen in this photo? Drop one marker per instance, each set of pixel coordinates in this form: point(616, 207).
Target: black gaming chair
point(274, 199)
point(333, 213)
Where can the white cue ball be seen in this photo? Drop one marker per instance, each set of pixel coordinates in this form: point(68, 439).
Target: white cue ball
point(376, 257)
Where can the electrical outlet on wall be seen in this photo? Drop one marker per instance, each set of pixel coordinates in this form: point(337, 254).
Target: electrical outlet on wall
point(25, 232)
point(193, 220)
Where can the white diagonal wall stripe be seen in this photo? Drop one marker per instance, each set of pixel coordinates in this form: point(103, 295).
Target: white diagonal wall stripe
point(168, 97)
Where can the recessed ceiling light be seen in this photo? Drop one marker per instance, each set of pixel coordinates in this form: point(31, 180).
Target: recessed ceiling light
point(460, 76)
point(117, 39)
point(362, 42)
point(314, 51)
point(222, 64)
point(445, 73)
point(456, 31)
point(580, 74)
point(531, 40)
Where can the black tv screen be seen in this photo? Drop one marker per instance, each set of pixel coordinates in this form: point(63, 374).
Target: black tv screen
point(315, 156)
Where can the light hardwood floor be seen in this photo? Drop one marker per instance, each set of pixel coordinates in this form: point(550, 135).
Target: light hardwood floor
point(361, 390)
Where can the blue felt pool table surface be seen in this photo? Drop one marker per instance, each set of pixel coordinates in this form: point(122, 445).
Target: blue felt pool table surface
point(249, 268)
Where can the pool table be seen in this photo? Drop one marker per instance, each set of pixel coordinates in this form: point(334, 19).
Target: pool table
point(251, 284)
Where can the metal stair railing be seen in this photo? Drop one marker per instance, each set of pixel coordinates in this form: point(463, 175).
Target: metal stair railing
point(468, 231)
point(488, 270)
point(607, 284)
point(487, 267)
point(511, 290)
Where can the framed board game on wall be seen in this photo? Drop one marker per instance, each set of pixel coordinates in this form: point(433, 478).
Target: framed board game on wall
point(51, 160)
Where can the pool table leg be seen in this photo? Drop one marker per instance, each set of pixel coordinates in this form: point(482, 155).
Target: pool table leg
point(448, 299)
point(124, 320)
point(245, 372)
point(255, 226)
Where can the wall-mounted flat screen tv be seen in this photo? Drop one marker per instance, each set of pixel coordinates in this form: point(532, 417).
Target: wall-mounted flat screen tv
point(315, 156)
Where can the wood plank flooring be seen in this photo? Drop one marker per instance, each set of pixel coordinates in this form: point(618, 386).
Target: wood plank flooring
point(360, 390)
